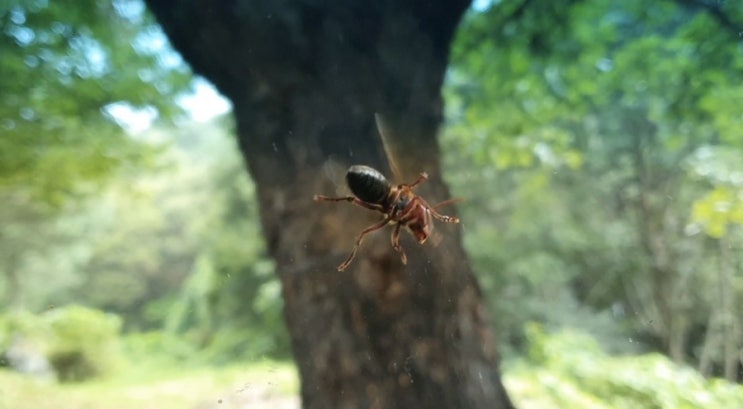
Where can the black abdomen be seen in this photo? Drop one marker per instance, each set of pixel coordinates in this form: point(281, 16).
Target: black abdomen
point(368, 184)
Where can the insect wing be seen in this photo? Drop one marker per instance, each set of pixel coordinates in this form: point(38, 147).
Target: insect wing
point(388, 144)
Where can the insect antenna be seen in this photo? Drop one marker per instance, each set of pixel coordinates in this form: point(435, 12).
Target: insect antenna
point(447, 202)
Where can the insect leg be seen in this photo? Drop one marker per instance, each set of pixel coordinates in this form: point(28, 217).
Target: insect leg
point(434, 213)
point(421, 178)
point(396, 244)
point(321, 198)
point(443, 217)
point(352, 199)
point(364, 232)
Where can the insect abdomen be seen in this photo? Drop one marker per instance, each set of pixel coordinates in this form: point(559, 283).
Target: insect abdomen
point(368, 184)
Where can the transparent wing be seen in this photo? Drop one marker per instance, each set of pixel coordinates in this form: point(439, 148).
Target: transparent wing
point(388, 144)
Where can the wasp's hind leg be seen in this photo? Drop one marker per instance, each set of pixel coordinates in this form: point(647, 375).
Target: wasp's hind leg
point(442, 217)
point(364, 232)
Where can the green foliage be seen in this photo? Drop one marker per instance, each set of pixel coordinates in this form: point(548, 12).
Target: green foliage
point(63, 68)
point(245, 299)
point(594, 141)
point(562, 369)
point(159, 349)
point(176, 251)
point(23, 323)
point(576, 373)
point(83, 342)
point(720, 208)
point(64, 72)
point(203, 275)
point(258, 385)
point(717, 210)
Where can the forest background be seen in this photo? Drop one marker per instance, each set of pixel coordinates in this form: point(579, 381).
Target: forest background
point(598, 146)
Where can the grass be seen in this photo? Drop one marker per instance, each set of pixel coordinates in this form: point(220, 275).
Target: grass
point(262, 385)
point(274, 385)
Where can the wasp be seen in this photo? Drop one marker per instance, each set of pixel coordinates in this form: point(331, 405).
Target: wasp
point(398, 203)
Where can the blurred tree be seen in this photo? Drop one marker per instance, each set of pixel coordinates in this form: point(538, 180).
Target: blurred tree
point(245, 296)
point(305, 79)
point(204, 273)
point(599, 108)
point(158, 219)
point(64, 72)
point(719, 214)
point(66, 69)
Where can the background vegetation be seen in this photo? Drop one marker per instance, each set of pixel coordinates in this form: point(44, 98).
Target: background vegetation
point(598, 146)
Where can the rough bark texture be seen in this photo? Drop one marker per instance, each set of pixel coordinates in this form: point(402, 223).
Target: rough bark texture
point(306, 78)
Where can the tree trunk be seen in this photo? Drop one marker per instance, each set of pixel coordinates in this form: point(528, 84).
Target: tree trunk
point(730, 320)
point(14, 289)
point(305, 79)
point(667, 296)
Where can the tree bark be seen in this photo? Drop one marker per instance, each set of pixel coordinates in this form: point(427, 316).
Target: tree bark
point(305, 79)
